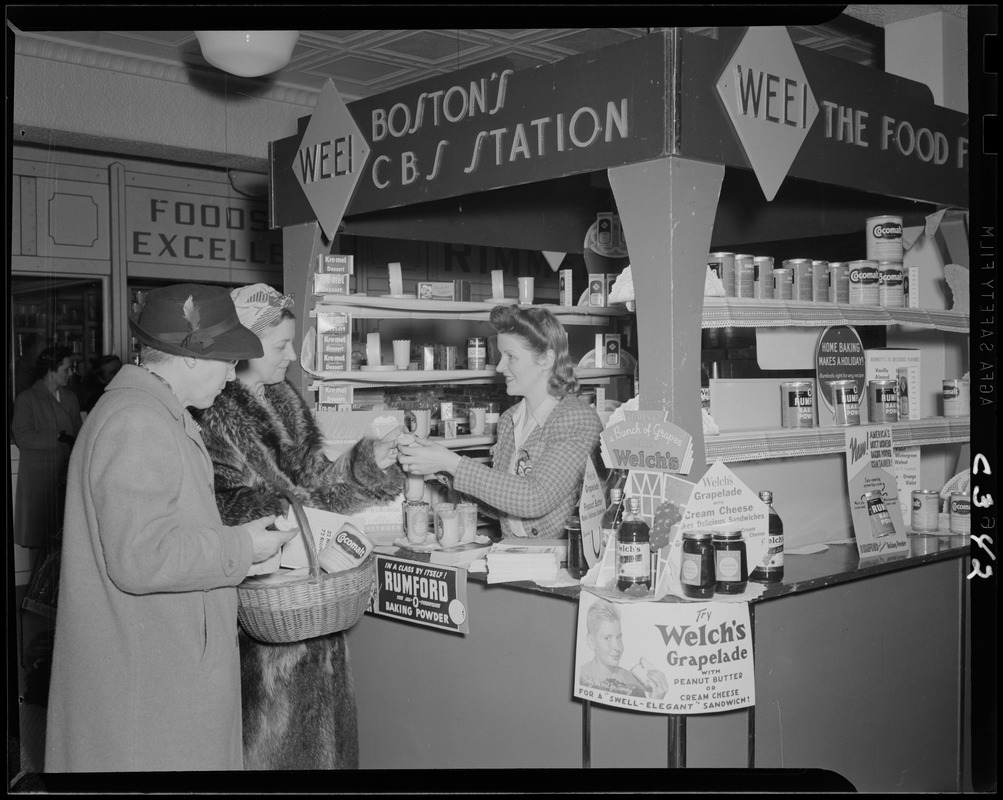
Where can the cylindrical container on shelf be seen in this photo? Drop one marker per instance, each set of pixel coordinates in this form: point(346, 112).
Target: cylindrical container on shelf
point(884, 238)
point(783, 283)
point(491, 419)
point(839, 282)
point(845, 403)
point(696, 570)
point(925, 511)
point(960, 509)
point(891, 293)
point(903, 379)
point(763, 279)
point(723, 265)
point(957, 397)
point(477, 352)
point(745, 276)
point(863, 283)
point(797, 404)
point(801, 269)
point(883, 401)
point(731, 566)
point(820, 281)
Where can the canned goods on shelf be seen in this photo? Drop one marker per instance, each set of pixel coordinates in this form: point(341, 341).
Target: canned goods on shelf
point(797, 404)
point(960, 509)
point(891, 289)
point(477, 352)
point(884, 238)
point(845, 402)
point(925, 511)
point(883, 401)
point(745, 276)
point(820, 281)
point(802, 277)
point(783, 283)
point(839, 282)
point(763, 278)
point(957, 398)
point(863, 283)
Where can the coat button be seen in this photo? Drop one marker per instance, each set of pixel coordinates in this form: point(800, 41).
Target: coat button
point(534, 532)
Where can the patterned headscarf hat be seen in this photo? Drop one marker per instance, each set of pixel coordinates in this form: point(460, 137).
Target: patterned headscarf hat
point(259, 305)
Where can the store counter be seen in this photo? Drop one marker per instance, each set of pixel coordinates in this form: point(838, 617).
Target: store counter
point(860, 669)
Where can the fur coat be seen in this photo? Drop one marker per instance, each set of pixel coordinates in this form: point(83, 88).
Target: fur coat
point(298, 701)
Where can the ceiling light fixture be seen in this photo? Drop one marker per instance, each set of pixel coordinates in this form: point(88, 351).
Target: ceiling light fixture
point(248, 54)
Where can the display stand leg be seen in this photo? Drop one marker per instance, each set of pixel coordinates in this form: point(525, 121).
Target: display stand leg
point(752, 709)
point(586, 734)
point(677, 741)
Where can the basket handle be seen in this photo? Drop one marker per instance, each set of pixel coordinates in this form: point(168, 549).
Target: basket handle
point(305, 532)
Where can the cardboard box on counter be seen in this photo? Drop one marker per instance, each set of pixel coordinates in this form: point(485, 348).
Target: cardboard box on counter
point(443, 290)
point(331, 283)
point(334, 341)
point(883, 364)
point(330, 263)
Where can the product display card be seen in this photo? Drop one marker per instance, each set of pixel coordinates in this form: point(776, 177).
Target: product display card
point(874, 493)
point(647, 440)
point(664, 658)
point(907, 471)
point(590, 511)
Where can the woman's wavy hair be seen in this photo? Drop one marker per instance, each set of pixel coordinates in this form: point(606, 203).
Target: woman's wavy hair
point(50, 359)
point(542, 331)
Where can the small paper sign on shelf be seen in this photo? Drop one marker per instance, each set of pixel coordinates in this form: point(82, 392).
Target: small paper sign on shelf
point(646, 440)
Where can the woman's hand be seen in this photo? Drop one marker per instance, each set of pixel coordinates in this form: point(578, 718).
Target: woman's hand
point(385, 450)
point(423, 457)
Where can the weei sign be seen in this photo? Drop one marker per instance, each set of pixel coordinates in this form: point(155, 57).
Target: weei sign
point(748, 99)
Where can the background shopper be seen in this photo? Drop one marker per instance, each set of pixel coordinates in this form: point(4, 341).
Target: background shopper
point(299, 705)
point(539, 458)
point(145, 673)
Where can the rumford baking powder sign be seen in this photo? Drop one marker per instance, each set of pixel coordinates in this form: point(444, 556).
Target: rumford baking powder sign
point(423, 594)
point(664, 658)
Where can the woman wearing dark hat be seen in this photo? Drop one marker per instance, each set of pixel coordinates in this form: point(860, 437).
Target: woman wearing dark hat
point(45, 423)
point(299, 706)
point(146, 672)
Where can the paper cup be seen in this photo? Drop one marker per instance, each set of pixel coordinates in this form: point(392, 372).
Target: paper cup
point(526, 290)
point(402, 353)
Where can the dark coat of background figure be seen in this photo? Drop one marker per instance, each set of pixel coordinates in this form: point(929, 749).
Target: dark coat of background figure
point(298, 700)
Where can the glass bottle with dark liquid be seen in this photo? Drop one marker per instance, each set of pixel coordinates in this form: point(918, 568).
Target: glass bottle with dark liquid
point(771, 570)
point(633, 549)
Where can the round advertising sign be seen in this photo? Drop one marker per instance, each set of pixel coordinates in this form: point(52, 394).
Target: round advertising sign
point(839, 356)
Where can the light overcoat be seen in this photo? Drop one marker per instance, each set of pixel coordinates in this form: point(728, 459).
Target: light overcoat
point(145, 671)
point(36, 424)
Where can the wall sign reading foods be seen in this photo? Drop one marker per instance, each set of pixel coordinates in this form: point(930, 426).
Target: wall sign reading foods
point(489, 127)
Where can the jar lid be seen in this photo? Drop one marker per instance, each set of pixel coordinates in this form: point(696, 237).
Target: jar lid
point(697, 535)
point(734, 535)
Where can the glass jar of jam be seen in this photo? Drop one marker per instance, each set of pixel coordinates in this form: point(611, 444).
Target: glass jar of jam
point(696, 571)
point(731, 566)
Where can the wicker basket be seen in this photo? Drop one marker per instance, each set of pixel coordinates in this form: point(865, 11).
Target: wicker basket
point(318, 604)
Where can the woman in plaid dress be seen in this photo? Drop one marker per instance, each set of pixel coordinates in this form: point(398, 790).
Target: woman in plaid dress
point(544, 441)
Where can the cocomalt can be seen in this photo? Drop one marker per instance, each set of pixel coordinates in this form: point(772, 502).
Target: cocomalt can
point(891, 290)
point(957, 398)
point(925, 511)
point(877, 511)
point(864, 283)
point(845, 403)
point(960, 505)
point(884, 238)
point(839, 282)
point(883, 401)
point(797, 404)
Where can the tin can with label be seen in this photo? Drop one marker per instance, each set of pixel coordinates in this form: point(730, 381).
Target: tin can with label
point(884, 238)
point(883, 401)
point(956, 397)
point(877, 511)
point(723, 265)
point(477, 352)
point(820, 281)
point(416, 517)
point(745, 276)
point(960, 506)
point(783, 283)
point(863, 283)
point(845, 403)
point(802, 277)
point(925, 511)
point(491, 420)
point(763, 277)
point(797, 404)
point(891, 289)
point(839, 282)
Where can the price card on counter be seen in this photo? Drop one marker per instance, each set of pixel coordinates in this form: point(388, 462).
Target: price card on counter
point(432, 595)
point(664, 658)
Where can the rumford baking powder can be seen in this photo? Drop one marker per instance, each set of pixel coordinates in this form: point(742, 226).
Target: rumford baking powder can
point(883, 401)
point(801, 268)
point(763, 278)
point(745, 276)
point(783, 283)
point(839, 282)
point(881, 520)
point(925, 511)
point(820, 281)
point(797, 404)
point(723, 265)
point(956, 397)
point(891, 288)
point(477, 352)
point(864, 283)
point(845, 403)
point(884, 238)
point(960, 506)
